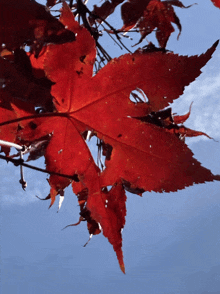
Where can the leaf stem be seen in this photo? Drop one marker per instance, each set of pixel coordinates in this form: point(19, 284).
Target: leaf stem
point(22, 180)
point(10, 144)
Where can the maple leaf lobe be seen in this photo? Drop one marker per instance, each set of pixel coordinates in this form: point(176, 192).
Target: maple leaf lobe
point(216, 3)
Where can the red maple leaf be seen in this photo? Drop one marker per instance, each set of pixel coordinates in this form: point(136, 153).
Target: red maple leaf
point(159, 15)
point(143, 145)
point(216, 3)
point(156, 15)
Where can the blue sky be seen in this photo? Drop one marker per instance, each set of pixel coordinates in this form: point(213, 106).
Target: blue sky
point(171, 241)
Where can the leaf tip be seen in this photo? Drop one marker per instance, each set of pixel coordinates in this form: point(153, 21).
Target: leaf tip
point(216, 44)
point(122, 267)
point(217, 177)
point(52, 196)
point(119, 254)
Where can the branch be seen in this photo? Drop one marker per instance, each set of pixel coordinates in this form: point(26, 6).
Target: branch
point(82, 10)
point(18, 162)
point(115, 32)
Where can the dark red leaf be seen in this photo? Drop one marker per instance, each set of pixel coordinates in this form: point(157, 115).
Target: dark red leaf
point(51, 3)
point(107, 8)
point(25, 21)
point(20, 82)
point(131, 11)
point(155, 15)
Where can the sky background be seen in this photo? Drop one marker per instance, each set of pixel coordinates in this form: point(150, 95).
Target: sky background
point(171, 241)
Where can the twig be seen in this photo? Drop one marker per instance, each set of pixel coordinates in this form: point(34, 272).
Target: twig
point(18, 162)
point(90, 237)
point(22, 180)
point(10, 144)
point(21, 150)
point(112, 38)
point(111, 27)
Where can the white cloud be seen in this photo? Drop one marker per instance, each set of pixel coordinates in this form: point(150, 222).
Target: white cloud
point(205, 95)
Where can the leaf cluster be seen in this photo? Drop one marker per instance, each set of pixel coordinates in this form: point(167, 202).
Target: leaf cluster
point(65, 89)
